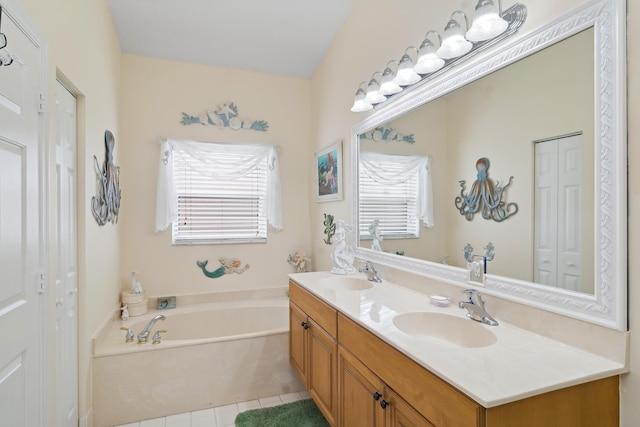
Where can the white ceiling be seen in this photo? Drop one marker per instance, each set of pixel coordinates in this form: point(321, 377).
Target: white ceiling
point(286, 37)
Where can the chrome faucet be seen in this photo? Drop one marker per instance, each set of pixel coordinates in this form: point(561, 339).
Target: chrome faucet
point(370, 271)
point(143, 336)
point(475, 308)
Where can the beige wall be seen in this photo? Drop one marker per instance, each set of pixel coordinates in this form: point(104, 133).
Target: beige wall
point(155, 94)
point(377, 31)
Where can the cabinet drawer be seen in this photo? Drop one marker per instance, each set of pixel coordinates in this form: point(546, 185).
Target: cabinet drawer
point(323, 314)
point(434, 399)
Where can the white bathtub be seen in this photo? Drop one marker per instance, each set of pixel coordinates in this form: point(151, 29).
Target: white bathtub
point(212, 354)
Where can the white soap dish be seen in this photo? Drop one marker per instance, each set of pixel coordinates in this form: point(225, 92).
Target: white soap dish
point(440, 301)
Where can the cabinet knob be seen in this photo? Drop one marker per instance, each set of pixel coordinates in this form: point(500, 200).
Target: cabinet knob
point(376, 396)
point(305, 325)
point(384, 403)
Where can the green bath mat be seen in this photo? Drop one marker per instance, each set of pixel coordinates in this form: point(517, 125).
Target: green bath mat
point(303, 413)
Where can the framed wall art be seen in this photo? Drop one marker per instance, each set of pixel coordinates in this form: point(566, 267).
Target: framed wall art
point(328, 173)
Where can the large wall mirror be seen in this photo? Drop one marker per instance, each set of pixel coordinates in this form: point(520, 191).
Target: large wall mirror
point(546, 108)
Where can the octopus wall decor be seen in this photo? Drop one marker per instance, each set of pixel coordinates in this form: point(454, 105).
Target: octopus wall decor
point(106, 204)
point(485, 197)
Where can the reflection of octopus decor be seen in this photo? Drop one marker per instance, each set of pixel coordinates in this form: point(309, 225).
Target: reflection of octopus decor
point(489, 252)
point(229, 265)
point(225, 116)
point(485, 197)
point(106, 204)
point(329, 228)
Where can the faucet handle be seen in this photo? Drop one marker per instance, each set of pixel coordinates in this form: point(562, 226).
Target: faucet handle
point(129, 336)
point(156, 337)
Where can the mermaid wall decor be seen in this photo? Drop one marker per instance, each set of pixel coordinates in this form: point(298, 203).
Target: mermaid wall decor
point(485, 197)
point(229, 265)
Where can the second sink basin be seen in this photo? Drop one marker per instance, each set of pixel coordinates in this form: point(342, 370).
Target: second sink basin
point(346, 283)
point(453, 330)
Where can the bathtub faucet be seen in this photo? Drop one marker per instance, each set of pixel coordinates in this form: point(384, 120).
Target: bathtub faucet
point(143, 336)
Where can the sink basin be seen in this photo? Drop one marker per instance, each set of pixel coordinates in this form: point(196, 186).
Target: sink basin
point(453, 330)
point(346, 283)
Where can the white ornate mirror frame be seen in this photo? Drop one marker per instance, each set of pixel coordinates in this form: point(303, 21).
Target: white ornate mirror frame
point(608, 305)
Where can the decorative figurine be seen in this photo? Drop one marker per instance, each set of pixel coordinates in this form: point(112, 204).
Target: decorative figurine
point(299, 261)
point(329, 228)
point(125, 312)
point(343, 254)
point(375, 235)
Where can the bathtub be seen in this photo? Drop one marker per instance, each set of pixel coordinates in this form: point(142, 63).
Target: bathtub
point(212, 354)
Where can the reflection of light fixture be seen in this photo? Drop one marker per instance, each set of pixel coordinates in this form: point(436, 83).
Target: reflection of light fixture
point(359, 103)
point(487, 22)
point(453, 42)
point(428, 61)
point(405, 75)
point(387, 86)
point(373, 91)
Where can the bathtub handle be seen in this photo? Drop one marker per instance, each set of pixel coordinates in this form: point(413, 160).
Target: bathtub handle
point(156, 337)
point(129, 336)
point(304, 325)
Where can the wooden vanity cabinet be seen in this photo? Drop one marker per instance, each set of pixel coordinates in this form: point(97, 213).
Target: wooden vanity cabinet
point(365, 400)
point(413, 395)
point(314, 348)
point(350, 372)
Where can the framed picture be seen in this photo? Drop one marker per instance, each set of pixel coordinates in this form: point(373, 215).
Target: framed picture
point(328, 173)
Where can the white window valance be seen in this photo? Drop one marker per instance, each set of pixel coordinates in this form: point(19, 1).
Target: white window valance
point(209, 160)
point(374, 166)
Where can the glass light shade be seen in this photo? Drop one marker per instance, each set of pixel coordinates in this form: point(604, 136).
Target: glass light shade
point(428, 61)
point(359, 103)
point(387, 86)
point(373, 95)
point(487, 23)
point(453, 42)
point(405, 75)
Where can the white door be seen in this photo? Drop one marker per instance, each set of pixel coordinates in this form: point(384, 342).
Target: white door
point(22, 233)
point(66, 276)
point(558, 220)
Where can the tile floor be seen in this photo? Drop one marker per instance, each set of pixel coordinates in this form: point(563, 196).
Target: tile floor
point(221, 416)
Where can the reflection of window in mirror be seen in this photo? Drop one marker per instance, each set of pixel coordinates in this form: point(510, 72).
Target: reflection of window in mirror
point(393, 191)
point(394, 206)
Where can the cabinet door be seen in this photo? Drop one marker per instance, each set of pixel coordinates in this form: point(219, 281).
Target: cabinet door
point(360, 393)
point(298, 342)
point(323, 370)
point(401, 414)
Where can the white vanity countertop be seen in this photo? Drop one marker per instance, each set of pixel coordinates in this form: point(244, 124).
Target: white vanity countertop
point(518, 365)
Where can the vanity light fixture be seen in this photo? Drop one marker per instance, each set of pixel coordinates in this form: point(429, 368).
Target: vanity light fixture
point(489, 27)
point(487, 22)
point(360, 103)
point(453, 42)
point(405, 75)
point(387, 85)
point(428, 61)
point(373, 91)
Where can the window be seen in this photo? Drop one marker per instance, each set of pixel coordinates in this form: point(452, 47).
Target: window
point(395, 190)
point(217, 193)
point(395, 206)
